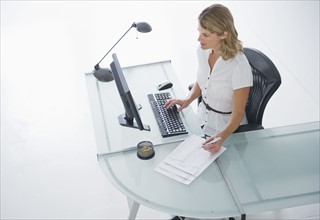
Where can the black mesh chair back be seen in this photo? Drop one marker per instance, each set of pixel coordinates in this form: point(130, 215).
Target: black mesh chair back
point(266, 81)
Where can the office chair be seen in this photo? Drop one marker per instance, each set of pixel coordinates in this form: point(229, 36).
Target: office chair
point(266, 81)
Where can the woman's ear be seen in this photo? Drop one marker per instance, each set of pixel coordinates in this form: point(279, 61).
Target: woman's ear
point(224, 35)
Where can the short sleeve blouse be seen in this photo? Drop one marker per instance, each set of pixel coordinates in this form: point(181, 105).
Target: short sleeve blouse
point(217, 88)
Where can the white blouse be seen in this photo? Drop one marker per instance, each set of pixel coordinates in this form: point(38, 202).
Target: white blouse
point(217, 88)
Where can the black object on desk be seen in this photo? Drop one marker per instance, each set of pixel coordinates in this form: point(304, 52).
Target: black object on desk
point(164, 85)
point(145, 150)
point(168, 120)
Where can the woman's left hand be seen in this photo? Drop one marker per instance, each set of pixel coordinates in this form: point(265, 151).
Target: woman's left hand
point(212, 147)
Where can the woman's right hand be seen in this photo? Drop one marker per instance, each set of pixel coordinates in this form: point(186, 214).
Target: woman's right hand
point(181, 102)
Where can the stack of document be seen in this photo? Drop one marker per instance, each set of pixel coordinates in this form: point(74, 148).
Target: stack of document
point(188, 160)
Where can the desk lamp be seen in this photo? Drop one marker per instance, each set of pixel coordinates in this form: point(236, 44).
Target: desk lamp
point(105, 74)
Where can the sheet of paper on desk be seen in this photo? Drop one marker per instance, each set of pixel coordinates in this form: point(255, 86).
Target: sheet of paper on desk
point(188, 160)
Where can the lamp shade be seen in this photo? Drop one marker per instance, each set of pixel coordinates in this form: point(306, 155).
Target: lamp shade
point(142, 27)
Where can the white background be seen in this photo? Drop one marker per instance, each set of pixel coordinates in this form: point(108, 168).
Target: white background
point(48, 163)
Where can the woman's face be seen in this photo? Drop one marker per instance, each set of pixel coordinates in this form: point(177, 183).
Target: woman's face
point(208, 40)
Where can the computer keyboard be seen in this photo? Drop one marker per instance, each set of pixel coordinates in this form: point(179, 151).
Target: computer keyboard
point(168, 120)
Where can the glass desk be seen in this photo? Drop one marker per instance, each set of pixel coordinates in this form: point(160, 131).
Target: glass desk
point(274, 168)
point(106, 106)
point(263, 170)
point(260, 171)
point(207, 196)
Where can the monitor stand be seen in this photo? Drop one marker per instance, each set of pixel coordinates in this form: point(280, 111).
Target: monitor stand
point(130, 122)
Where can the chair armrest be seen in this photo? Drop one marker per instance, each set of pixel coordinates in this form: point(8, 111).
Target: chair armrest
point(248, 127)
point(190, 86)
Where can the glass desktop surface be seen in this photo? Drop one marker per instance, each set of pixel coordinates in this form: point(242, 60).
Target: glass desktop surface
point(106, 106)
point(269, 169)
point(274, 168)
point(206, 197)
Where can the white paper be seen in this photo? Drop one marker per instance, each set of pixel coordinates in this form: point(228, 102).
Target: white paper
point(188, 160)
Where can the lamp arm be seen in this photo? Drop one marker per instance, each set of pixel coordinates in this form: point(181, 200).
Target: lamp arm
point(97, 65)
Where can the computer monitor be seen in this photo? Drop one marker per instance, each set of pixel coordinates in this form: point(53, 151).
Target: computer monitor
point(131, 117)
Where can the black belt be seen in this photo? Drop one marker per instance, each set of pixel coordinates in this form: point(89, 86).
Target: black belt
point(216, 111)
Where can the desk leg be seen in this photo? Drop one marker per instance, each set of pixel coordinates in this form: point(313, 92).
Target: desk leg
point(133, 209)
point(243, 217)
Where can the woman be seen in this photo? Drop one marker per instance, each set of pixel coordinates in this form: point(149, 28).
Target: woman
point(224, 77)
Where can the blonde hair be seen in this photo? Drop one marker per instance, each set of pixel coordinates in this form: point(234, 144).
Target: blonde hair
point(218, 19)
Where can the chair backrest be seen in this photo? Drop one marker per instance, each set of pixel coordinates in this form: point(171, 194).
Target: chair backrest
point(266, 80)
